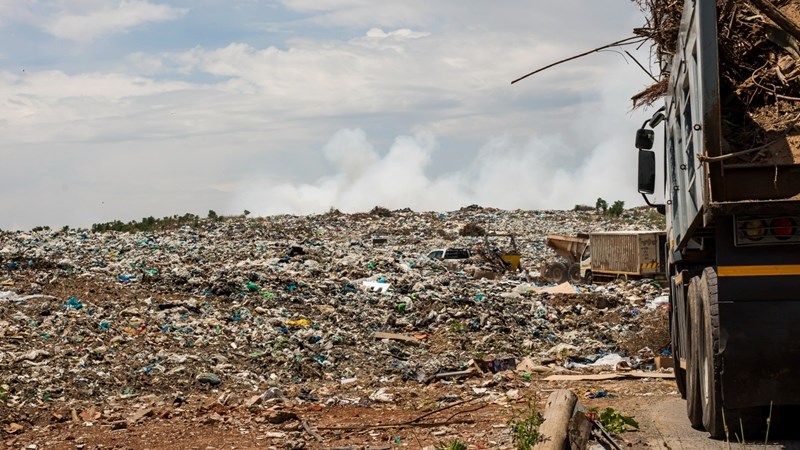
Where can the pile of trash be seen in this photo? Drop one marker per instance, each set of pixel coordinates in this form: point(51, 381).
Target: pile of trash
point(247, 304)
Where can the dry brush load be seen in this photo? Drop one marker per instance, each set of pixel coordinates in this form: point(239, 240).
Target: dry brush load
point(759, 66)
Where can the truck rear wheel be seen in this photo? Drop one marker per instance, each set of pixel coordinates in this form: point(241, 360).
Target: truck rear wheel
point(710, 363)
point(694, 401)
point(680, 374)
point(575, 272)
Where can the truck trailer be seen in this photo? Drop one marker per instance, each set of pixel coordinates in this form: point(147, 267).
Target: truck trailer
point(733, 243)
point(622, 255)
point(606, 256)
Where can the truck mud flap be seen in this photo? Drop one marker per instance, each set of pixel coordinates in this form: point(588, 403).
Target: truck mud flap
point(760, 349)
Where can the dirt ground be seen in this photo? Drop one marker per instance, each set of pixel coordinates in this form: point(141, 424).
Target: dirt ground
point(417, 420)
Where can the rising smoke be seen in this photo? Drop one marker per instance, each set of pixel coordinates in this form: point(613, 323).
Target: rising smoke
point(505, 174)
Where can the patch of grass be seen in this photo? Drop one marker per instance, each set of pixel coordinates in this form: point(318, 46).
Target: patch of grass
point(525, 426)
point(457, 327)
point(455, 444)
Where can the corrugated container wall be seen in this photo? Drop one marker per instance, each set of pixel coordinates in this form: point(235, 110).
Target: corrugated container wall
point(628, 253)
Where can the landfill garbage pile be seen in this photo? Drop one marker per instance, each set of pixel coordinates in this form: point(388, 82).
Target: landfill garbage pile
point(303, 304)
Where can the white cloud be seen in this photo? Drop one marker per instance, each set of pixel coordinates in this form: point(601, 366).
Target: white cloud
point(402, 34)
point(111, 17)
point(413, 111)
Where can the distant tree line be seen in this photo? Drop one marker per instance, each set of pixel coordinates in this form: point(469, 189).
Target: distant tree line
point(151, 223)
point(601, 207)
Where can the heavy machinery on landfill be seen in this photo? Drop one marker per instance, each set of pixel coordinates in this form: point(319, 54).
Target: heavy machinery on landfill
point(500, 252)
point(570, 248)
point(733, 243)
point(605, 256)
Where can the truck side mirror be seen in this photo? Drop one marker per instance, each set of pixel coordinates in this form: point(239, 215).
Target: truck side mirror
point(647, 171)
point(645, 139)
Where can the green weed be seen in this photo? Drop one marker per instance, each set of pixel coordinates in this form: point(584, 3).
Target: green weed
point(615, 422)
point(525, 426)
point(457, 327)
point(455, 444)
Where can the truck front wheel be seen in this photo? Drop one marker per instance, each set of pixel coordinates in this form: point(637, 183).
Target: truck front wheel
point(694, 401)
point(680, 374)
point(710, 363)
point(557, 272)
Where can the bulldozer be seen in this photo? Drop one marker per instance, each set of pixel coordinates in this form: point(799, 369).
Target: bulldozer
point(570, 249)
point(501, 259)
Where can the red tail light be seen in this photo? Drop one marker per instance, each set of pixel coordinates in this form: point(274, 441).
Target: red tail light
point(783, 227)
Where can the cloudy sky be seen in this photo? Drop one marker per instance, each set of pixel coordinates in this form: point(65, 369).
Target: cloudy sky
point(121, 109)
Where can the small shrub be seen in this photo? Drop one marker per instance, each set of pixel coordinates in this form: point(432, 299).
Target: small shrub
point(601, 206)
point(472, 229)
point(615, 422)
point(525, 426)
point(583, 208)
point(616, 209)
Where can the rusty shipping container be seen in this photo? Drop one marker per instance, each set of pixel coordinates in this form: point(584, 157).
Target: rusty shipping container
point(628, 253)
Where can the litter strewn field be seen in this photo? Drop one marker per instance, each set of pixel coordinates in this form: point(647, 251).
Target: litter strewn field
point(339, 311)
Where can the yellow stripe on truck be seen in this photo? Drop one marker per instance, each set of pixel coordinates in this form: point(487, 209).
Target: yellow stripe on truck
point(758, 271)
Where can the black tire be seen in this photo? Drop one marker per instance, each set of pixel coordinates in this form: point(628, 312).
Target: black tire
point(694, 402)
point(710, 363)
point(680, 374)
point(679, 337)
point(557, 272)
point(588, 277)
point(575, 273)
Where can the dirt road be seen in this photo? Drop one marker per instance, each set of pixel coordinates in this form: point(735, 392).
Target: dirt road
point(667, 418)
point(480, 422)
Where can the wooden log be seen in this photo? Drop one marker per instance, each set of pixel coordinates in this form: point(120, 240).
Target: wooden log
point(580, 430)
point(555, 428)
point(778, 17)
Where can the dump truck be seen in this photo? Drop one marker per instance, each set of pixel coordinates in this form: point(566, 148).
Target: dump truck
point(605, 256)
point(623, 255)
point(733, 243)
point(570, 249)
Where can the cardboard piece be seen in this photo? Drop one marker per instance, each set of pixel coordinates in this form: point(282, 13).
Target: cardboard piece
point(398, 337)
point(563, 288)
point(664, 362)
